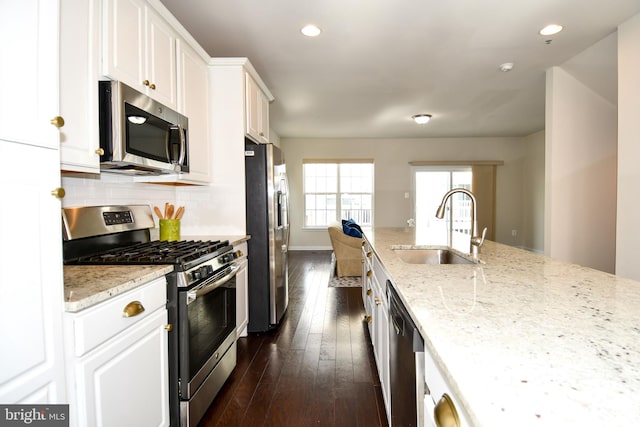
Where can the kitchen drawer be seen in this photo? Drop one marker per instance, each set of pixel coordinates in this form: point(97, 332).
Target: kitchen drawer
point(96, 324)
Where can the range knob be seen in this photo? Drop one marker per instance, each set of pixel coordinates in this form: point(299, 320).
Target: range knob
point(226, 258)
point(196, 275)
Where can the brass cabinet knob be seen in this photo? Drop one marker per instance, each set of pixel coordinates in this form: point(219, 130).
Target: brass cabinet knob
point(146, 82)
point(58, 193)
point(169, 327)
point(363, 243)
point(57, 121)
point(369, 254)
point(132, 309)
point(100, 152)
point(369, 292)
point(152, 86)
point(445, 413)
point(369, 273)
point(369, 319)
point(377, 300)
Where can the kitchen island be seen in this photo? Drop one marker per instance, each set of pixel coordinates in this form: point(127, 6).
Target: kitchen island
point(523, 339)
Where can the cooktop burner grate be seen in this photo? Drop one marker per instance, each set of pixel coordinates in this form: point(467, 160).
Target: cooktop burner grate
point(157, 252)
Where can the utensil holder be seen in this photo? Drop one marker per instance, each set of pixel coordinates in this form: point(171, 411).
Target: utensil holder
point(170, 229)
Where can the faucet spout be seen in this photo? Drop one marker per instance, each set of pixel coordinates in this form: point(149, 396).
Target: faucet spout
point(476, 241)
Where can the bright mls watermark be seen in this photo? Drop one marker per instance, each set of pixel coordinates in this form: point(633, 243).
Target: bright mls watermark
point(34, 415)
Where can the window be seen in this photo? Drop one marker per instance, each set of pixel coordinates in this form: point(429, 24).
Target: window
point(335, 190)
point(430, 185)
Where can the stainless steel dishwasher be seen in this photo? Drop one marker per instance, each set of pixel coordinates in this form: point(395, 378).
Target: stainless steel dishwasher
point(406, 365)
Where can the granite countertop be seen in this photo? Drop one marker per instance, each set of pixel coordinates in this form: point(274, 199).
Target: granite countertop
point(524, 339)
point(88, 285)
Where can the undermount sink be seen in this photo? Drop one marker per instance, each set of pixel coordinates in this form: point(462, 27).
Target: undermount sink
point(431, 256)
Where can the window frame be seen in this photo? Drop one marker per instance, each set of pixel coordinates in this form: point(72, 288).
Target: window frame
point(338, 194)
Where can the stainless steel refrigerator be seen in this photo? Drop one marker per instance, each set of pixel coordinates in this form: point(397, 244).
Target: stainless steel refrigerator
point(268, 225)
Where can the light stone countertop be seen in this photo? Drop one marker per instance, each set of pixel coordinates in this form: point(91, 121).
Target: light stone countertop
point(88, 285)
point(525, 340)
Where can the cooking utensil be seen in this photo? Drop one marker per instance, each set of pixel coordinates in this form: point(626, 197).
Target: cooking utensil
point(158, 212)
point(180, 212)
point(166, 210)
point(170, 212)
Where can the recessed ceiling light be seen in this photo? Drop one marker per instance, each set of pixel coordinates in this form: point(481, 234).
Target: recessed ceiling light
point(421, 118)
point(311, 30)
point(551, 30)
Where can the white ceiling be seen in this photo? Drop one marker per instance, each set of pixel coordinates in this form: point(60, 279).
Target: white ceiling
point(378, 62)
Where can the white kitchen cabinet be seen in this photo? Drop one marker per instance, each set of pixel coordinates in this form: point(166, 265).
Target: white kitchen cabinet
point(139, 49)
point(118, 366)
point(374, 288)
point(257, 111)
point(193, 102)
point(227, 83)
point(242, 289)
point(31, 291)
point(28, 75)
point(79, 52)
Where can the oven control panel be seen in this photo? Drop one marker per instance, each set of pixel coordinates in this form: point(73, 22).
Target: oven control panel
point(116, 218)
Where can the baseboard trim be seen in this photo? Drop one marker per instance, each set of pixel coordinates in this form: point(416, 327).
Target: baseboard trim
point(310, 248)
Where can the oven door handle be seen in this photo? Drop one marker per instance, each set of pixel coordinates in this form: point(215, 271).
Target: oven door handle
point(205, 288)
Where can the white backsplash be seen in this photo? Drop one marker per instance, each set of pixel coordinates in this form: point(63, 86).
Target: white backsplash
point(206, 207)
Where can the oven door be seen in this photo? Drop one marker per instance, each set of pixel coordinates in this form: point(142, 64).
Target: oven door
point(206, 319)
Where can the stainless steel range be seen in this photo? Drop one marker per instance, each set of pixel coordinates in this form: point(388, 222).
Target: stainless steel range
point(201, 295)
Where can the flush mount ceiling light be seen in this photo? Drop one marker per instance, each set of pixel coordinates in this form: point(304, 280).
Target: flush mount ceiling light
point(506, 67)
point(311, 30)
point(551, 29)
point(421, 118)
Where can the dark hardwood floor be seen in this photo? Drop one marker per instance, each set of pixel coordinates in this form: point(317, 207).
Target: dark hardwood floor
point(316, 369)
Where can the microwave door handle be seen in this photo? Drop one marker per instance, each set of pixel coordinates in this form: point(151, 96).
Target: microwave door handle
point(183, 144)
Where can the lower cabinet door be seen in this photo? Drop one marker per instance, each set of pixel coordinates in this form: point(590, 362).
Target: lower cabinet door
point(125, 381)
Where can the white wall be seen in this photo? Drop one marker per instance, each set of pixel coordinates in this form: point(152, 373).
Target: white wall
point(580, 188)
point(628, 217)
point(533, 193)
point(393, 177)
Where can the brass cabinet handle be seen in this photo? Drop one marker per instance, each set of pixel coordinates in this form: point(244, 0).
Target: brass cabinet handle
point(369, 319)
point(57, 121)
point(369, 273)
point(363, 243)
point(368, 254)
point(377, 300)
point(145, 82)
point(445, 413)
point(369, 292)
point(169, 327)
point(58, 193)
point(100, 152)
point(133, 309)
point(152, 86)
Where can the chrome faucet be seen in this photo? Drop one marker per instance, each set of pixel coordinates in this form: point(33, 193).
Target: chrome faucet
point(476, 241)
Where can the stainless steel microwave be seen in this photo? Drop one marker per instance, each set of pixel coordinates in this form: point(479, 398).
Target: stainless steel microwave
point(138, 135)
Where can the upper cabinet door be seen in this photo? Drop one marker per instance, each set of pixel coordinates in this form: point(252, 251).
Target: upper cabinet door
point(139, 49)
point(194, 103)
point(79, 52)
point(257, 111)
point(123, 54)
point(161, 60)
point(28, 75)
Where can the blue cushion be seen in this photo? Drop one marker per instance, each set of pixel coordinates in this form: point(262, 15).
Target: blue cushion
point(350, 228)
